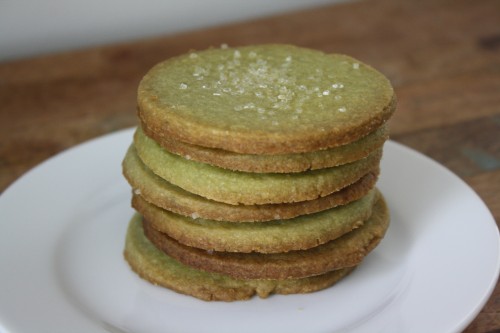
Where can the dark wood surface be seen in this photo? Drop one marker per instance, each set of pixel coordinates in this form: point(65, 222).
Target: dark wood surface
point(443, 58)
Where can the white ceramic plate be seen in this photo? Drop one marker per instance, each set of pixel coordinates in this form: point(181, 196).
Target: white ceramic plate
point(61, 266)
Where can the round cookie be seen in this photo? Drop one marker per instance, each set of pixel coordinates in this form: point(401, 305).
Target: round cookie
point(346, 251)
point(264, 99)
point(275, 163)
point(161, 193)
point(236, 187)
point(158, 268)
point(299, 233)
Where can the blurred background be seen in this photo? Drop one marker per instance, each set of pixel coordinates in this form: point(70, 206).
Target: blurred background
point(30, 28)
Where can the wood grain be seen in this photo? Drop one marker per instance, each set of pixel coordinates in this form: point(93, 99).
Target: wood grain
point(443, 58)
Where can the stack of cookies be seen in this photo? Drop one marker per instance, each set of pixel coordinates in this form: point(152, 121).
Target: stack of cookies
point(253, 171)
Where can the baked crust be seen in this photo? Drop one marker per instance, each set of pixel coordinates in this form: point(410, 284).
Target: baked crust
point(161, 193)
point(264, 99)
point(158, 268)
point(300, 233)
point(346, 251)
point(282, 163)
point(235, 187)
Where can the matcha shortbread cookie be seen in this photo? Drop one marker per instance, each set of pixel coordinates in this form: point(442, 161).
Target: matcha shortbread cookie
point(276, 163)
point(253, 170)
point(236, 187)
point(163, 194)
point(265, 99)
point(158, 268)
point(300, 233)
point(346, 251)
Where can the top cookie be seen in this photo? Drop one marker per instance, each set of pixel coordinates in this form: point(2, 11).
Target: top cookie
point(264, 99)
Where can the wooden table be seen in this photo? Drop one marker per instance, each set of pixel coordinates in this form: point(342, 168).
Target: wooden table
point(443, 58)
